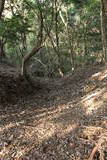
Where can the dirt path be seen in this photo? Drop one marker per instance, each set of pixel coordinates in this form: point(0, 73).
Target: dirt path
point(59, 120)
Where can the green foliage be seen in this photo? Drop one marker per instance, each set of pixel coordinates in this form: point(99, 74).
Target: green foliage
point(78, 31)
point(11, 29)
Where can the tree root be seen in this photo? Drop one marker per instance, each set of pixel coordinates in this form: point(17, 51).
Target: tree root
point(95, 149)
point(100, 147)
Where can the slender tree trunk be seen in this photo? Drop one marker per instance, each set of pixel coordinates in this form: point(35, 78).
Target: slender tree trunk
point(104, 27)
point(36, 48)
point(2, 52)
point(70, 39)
point(60, 68)
point(2, 3)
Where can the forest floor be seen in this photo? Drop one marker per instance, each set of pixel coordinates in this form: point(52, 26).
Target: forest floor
point(58, 120)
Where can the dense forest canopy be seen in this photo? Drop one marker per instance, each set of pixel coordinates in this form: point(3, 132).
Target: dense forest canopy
point(52, 37)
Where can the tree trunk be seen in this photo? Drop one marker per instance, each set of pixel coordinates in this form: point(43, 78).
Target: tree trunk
point(2, 3)
point(60, 65)
point(27, 57)
point(104, 27)
point(2, 53)
point(37, 47)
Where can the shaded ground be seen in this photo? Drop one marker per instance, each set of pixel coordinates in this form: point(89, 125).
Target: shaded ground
point(59, 120)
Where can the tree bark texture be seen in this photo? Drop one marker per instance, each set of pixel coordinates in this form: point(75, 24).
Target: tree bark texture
point(104, 27)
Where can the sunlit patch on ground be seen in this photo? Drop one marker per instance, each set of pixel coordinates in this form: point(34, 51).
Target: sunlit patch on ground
point(62, 124)
point(92, 132)
point(100, 75)
point(94, 100)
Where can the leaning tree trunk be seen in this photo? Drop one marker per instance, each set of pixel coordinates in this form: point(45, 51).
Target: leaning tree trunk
point(104, 27)
point(36, 48)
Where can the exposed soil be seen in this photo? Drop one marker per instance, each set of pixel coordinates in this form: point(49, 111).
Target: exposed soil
point(56, 120)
